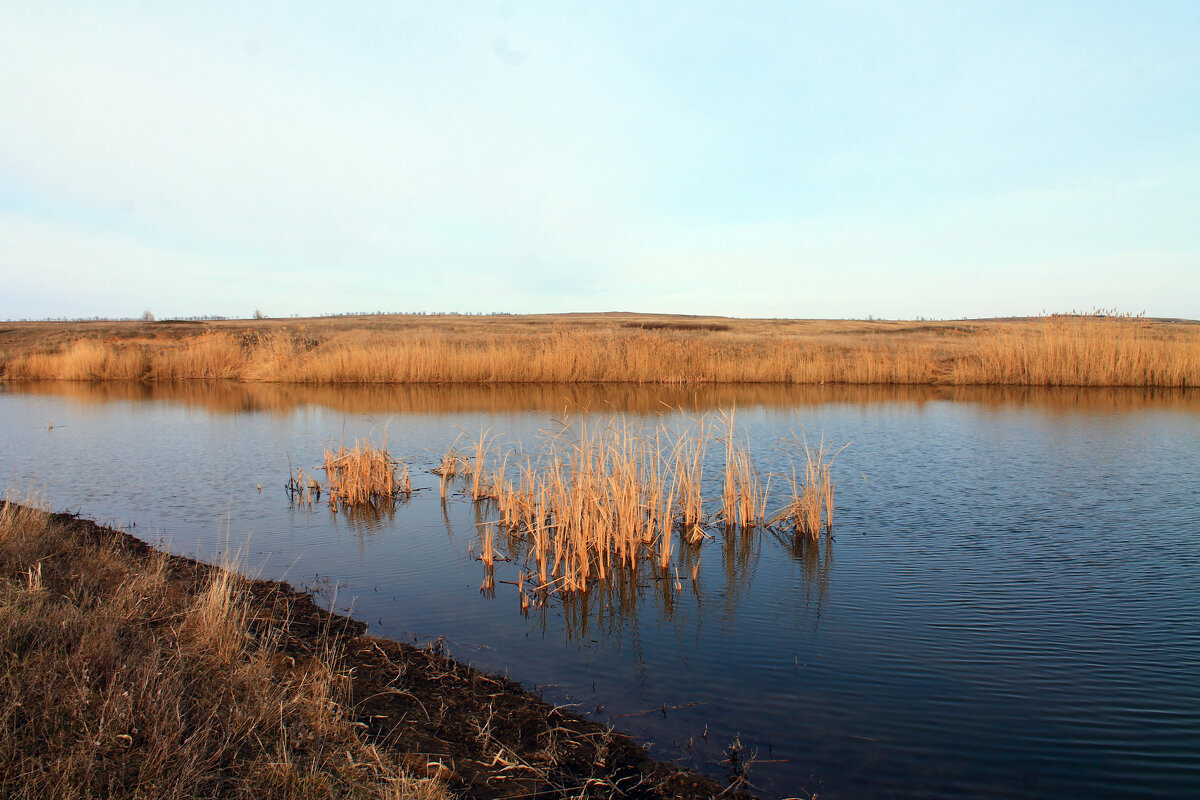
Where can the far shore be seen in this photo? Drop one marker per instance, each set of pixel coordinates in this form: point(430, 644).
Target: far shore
point(1053, 350)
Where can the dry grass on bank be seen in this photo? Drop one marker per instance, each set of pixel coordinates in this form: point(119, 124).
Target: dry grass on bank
point(1059, 350)
point(122, 680)
point(130, 673)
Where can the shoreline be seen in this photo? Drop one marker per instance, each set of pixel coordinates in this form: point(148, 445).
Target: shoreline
point(1093, 350)
point(480, 735)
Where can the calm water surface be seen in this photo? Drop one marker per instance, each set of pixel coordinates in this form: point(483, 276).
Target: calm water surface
point(1010, 606)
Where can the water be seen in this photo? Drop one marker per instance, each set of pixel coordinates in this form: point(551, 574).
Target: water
point(1009, 607)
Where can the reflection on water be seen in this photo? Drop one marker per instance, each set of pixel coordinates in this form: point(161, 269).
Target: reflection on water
point(368, 519)
point(608, 610)
point(577, 398)
point(815, 559)
point(1007, 606)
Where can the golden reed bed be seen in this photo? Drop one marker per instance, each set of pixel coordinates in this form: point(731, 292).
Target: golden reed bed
point(1057, 350)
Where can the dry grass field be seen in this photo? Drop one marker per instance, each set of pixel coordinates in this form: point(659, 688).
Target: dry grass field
point(1055, 350)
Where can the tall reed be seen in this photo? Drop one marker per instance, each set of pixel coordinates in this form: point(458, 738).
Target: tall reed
point(603, 498)
point(809, 510)
point(365, 475)
point(743, 497)
point(1103, 349)
point(688, 456)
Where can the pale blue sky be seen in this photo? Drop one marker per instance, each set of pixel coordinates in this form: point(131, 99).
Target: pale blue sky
point(804, 159)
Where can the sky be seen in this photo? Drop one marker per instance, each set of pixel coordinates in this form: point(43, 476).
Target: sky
point(797, 159)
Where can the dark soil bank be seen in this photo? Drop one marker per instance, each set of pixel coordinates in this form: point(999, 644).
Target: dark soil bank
point(484, 735)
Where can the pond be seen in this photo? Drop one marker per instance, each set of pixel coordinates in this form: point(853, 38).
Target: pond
point(1009, 605)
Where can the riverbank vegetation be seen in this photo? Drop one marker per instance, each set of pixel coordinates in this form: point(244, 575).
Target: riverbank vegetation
point(128, 672)
point(127, 676)
point(1100, 349)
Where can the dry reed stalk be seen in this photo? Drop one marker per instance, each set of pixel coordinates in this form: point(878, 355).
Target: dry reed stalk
point(664, 550)
point(487, 544)
point(478, 467)
point(598, 500)
point(812, 498)
point(364, 475)
point(689, 465)
point(743, 496)
point(453, 463)
point(301, 488)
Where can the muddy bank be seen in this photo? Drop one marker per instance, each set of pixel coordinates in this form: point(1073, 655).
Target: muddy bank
point(482, 736)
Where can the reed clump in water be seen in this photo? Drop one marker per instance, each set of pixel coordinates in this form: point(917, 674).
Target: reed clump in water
point(743, 497)
point(453, 463)
point(365, 475)
point(809, 510)
point(603, 499)
point(301, 487)
point(688, 459)
point(580, 510)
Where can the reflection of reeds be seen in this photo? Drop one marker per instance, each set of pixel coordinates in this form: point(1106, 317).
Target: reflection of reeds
point(815, 559)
